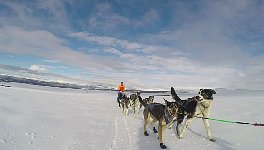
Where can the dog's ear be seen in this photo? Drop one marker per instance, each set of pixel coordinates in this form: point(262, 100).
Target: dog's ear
point(213, 91)
point(166, 102)
point(174, 95)
point(200, 91)
point(172, 91)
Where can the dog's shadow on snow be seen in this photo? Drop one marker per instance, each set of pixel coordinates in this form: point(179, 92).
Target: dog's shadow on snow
point(150, 142)
point(223, 144)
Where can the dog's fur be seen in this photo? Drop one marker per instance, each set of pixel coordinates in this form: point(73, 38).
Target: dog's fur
point(148, 100)
point(198, 107)
point(124, 102)
point(134, 101)
point(164, 114)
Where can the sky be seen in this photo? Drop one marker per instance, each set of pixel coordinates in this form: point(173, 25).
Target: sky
point(150, 44)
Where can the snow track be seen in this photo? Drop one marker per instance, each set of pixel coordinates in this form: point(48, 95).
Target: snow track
point(51, 118)
point(114, 142)
point(122, 136)
point(129, 138)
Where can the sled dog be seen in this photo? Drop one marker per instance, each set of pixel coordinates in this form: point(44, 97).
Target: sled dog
point(124, 102)
point(134, 101)
point(148, 100)
point(195, 107)
point(163, 114)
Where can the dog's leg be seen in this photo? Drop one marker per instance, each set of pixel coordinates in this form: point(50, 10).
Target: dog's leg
point(186, 124)
point(170, 125)
point(161, 129)
point(207, 128)
point(123, 108)
point(134, 107)
point(177, 128)
point(118, 103)
point(138, 107)
point(152, 124)
point(126, 111)
point(146, 120)
point(127, 106)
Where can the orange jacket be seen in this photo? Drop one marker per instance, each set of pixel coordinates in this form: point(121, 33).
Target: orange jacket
point(121, 87)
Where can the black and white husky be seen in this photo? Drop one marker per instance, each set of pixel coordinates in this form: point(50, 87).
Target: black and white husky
point(124, 102)
point(134, 101)
point(147, 100)
point(195, 107)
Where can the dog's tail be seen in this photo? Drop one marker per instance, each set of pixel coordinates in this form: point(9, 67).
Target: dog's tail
point(174, 95)
point(141, 101)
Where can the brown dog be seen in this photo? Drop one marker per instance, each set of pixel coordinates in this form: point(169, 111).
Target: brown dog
point(163, 114)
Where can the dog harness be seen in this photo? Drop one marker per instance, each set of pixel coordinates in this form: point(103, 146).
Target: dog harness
point(159, 111)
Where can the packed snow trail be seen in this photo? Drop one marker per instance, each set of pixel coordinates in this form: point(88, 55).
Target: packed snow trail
point(34, 117)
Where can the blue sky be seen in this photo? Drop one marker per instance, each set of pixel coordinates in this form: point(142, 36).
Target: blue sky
point(151, 44)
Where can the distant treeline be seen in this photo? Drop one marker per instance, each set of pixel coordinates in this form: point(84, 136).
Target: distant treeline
point(5, 78)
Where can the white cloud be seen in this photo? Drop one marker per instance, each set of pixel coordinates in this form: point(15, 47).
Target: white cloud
point(44, 44)
point(107, 41)
point(209, 45)
point(148, 19)
point(106, 19)
point(50, 61)
point(39, 68)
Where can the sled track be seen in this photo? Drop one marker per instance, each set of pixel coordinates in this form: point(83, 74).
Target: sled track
point(114, 141)
point(122, 136)
point(129, 146)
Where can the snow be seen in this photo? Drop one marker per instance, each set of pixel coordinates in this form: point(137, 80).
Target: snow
point(45, 118)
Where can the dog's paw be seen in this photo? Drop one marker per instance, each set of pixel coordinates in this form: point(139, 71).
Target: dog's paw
point(180, 136)
point(162, 146)
point(155, 130)
point(177, 131)
point(170, 126)
point(212, 139)
point(146, 133)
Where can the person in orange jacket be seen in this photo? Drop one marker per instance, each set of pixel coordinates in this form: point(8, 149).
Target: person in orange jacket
point(121, 89)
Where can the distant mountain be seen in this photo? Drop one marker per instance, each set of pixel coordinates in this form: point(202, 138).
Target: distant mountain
point(6, 78)
point(23, 75)
point(36, 75)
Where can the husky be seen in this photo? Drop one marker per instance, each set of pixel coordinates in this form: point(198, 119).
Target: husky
point(163, 114)
point(134, 101)
point(124, 102)
point(197, 106)
point(148, 100)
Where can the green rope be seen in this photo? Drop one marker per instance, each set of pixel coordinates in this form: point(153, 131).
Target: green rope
point(220, 120)
point(229, 121)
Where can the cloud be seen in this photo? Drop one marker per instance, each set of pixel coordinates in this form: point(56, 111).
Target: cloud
point(107, 18)
point(50, 61)
point(182, 43)
point(106, 41)
point(216, 62)
point(39, 68)
point(148, 19)
point(44, 44)
point(49, 15)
